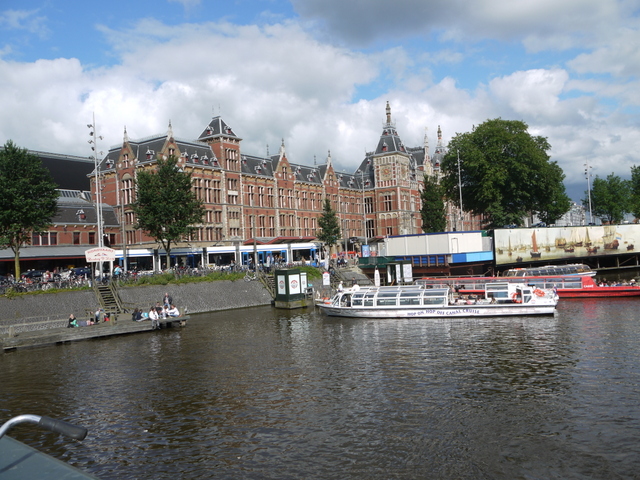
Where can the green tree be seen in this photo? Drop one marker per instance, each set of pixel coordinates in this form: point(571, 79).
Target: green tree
point(433, 209)
point(505, 174)
point(329, 225)
point(166, 208)
point(28, 199)
point(610, 198)
point(634, 186)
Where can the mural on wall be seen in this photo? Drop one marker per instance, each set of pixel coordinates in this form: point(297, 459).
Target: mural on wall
point(516, 245)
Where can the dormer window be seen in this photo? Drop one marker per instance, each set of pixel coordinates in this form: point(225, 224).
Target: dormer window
point(150, 154)
point(209, 130)
point(258, 169)
point(205, 159)
point(81, 215)
point(172, 151)
point(109, 163)
point(195, 158)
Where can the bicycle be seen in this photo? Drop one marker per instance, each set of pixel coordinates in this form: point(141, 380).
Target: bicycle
point(249, 276)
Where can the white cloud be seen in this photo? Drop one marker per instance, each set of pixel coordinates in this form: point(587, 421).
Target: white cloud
point(279, 82)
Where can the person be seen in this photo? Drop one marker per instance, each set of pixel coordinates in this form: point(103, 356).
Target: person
point(72, 321)
point(340, 287)
point(136, 316)
point(173, 311)
point(167, 300)
point(97, 315)
point(117, 271)
point(154, 317)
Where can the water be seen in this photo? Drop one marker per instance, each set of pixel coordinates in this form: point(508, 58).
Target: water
point(261, 393)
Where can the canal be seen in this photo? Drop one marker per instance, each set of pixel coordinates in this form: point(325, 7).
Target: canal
point(261, 393)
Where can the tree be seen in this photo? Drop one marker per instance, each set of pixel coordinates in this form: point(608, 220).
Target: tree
point(610, 198)
point(433, 209)
point(634, 187)
point(505, 174)
point(165, 206)
point(28, 199)
point(329, 225)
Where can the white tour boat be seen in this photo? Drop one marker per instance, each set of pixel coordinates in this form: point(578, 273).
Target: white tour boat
point(416, 301)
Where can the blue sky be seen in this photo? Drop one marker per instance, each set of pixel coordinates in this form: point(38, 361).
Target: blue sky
point(316, 75)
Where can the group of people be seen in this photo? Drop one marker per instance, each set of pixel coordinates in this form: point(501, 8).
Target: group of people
point(164, 309)
point(74, 322)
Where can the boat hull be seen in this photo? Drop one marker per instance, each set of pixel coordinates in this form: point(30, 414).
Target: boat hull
point(462, 311)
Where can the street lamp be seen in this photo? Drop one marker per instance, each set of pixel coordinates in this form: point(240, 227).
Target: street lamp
point(460, 189)
point(94, 147)
point(364, 209)
point(587, 174)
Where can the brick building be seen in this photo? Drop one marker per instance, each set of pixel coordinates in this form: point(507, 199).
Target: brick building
point(252, 199)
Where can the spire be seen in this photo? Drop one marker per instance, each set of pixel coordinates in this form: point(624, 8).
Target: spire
point(282, 151)
point(388, 113)
point(439, 136)
point(329, 158)
point(170, 131)
point(126, 136)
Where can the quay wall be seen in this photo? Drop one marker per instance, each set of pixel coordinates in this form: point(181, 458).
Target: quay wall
point(51, 310)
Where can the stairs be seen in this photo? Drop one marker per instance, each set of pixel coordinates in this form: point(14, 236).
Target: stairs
point(108, 298)
point(350, 275)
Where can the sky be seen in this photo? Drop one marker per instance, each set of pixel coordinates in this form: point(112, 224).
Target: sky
point(316, 74)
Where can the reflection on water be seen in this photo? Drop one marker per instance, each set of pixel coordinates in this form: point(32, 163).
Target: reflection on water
point(263, 393)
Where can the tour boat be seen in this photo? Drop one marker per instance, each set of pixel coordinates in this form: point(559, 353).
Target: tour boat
point(417, 301)
point(569, 269)
point(567, 286)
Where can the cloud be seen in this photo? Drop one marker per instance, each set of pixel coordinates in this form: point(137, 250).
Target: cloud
point(27, 20)
point(541, 24)
point(281, 81)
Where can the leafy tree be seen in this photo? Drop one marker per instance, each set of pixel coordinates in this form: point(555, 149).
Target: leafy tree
point(433, 209)
point(165, 206)
point(553, 190)
point(610, 198)
point(634, 186)
point(329, 225)
point(505, 174)
point(28, 199)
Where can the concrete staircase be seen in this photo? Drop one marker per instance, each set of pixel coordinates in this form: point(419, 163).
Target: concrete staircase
point(108, 298)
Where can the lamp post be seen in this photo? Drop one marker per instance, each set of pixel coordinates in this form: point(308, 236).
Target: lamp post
point(93, 141)
point(460, 189)
point(587, 174)
point(364, 208)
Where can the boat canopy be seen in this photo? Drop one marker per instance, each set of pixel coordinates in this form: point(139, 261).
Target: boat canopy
point(396, 296)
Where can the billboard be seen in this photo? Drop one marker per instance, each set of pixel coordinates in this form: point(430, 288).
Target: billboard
point(514, 245)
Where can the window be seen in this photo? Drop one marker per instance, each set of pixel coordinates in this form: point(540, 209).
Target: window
point(76, 238)
point(92, 238)
point(35, 239)
point(387, 203)
point(127, 191)
point(53, 238)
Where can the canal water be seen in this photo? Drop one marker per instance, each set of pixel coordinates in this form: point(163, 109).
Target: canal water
point(270, 394)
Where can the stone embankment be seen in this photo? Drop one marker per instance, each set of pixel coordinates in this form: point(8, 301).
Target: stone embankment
point(34, 312)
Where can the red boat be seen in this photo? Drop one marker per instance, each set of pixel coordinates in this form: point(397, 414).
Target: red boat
point(567, 286)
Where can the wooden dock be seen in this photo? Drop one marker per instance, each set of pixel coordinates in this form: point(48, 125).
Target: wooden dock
point(52, 336)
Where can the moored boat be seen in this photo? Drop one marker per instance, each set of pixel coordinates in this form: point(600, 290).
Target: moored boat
point(567, 286)
point(416, 301)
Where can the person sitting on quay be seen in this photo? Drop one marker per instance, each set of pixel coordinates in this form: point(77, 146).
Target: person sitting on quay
point(154, 317)
point(173, 311)
point(72, 321)
point(136, 316)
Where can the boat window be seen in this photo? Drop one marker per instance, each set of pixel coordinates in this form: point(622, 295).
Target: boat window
point(368, 299)
point(357, 299)
point(433, 300)
point(409, 300)
point(386, 301)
